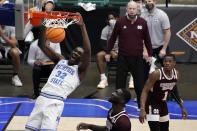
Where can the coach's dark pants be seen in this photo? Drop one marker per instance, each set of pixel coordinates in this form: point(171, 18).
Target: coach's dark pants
point(134, 65)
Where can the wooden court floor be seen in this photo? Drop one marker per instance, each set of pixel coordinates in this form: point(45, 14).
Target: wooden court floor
point(92, 111)
point(70, 123)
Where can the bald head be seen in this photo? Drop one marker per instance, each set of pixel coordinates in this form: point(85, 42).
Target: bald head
point(132, 3)
point(132, 9)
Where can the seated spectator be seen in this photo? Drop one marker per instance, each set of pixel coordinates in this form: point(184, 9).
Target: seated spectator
point(42, 65)
point(8, 49)
point(100, 56)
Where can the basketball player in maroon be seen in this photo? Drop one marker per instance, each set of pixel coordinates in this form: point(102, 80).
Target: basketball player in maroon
point(153, 99)
point(117, 118)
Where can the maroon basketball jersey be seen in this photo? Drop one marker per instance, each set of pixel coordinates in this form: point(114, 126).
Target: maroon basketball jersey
point(118, 122)
point(163, 86)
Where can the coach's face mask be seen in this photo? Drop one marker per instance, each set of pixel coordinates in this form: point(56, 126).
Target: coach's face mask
point(149, 6)
point(131, 16)
point(112, 22)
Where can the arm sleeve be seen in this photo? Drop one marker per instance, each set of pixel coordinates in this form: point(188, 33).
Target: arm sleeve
point(165, 22)
point(104, 33)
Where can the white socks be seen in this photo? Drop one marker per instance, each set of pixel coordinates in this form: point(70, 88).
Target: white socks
point(103, 77)
point(131, 78)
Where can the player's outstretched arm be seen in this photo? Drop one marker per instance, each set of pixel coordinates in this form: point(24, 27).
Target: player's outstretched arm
point(85, 126)
point(178, 99)
point(176, 96)
point(85, 60)
point(44, 46)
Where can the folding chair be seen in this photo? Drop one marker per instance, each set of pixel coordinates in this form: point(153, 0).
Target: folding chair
point(6, 67)
point(111, 68)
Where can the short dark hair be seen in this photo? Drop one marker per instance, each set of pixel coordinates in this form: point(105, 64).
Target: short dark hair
point(126, 95)
point(170, 55)
point(113, 13)
point(138, 0)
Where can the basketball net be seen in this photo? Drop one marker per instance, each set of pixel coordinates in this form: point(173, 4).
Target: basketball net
point(58, 23)
point(53, 19)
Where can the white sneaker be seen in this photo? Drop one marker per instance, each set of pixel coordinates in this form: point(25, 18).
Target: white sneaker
point(102, 84)
point(16, 81)
point(131, 85)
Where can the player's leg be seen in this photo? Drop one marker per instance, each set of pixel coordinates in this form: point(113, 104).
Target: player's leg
point(164, 117)
point(164, 126)
point(14, 55)
point(101, 64)
point(52, 114)
point(36, 116)
point(154, 125)
point(153, 117)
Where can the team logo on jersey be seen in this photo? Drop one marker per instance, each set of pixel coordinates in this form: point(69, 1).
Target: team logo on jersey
point(124, 27)
point(139, 27)
point(189, 34)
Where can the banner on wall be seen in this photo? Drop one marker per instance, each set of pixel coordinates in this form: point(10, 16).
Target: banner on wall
point(189, 34)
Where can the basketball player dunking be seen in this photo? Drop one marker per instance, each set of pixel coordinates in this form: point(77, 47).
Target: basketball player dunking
point(64, 79)
point(153, 99)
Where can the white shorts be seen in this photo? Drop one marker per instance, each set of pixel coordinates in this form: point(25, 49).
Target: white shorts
point(157, 114)
point(45, 115)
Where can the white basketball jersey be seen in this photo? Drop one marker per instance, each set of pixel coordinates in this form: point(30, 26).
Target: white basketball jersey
point(64, 79)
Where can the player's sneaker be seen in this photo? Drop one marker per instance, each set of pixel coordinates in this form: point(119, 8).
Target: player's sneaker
point(102, 84)
point(16, 81)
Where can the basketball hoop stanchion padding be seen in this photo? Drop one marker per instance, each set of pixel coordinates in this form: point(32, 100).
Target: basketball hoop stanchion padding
point(53, 19)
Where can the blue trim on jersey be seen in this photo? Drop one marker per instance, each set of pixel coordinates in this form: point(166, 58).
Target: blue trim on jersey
point(51, 96)
point(31, 128)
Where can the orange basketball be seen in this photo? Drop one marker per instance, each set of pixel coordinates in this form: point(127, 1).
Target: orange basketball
point(55, 35)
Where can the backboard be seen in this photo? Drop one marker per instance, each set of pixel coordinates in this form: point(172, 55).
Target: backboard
point(22, 23)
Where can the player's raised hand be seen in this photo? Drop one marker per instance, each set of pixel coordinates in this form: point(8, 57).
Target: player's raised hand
point(142, 116)
point(80, 22)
